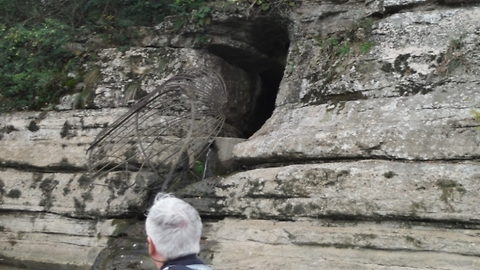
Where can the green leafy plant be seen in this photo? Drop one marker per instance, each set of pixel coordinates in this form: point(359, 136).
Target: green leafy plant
point(198, 10)
point(365, 47)
point(31, 68)
point(366, 24)
point(201, 38)
point(339, 51)
point(353, 41)
point(35, 36)
point(273, 5)
point(202, 15)
point(453, 57)
point(332, 41)
point(343, 50)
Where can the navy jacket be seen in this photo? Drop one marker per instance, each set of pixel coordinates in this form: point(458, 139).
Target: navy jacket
point(179, 263)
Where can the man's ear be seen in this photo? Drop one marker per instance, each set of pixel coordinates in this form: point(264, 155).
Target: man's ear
point(151, 247)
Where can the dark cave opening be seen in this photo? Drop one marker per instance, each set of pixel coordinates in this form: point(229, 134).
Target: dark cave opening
point(261, 49)
point(270, 80)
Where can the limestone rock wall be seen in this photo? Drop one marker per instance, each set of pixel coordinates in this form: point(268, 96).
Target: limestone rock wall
point(368, 161)
point(372, 156)
point(51, 214)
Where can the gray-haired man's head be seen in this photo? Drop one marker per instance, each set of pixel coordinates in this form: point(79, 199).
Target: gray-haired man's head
point(174, 227)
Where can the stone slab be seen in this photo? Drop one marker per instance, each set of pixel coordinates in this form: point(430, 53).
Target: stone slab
point(73, 194)
point(51, 139)
point(366, 190)
point(32, 238)
point(326, 244)
point(435, 126)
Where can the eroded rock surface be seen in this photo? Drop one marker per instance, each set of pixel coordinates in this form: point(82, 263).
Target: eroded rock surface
point(368, 159)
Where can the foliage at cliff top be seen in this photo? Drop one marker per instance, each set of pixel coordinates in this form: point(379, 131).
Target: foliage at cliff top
point(37, 62)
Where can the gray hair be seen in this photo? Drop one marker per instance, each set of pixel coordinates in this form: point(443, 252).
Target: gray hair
point(174, 226)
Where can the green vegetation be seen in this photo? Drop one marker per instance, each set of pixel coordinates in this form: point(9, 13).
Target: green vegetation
point(197, 10)
point(453, 57)
point(365, 46)
point(201, 15)
point(339, 49)
point(343, 50)
point(273, 5)
point(351, 42)
point(198, 168)
point(476, 116)
point(43, 43)
point(32, 62)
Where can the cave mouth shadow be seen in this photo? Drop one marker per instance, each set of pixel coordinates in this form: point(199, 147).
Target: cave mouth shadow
point(264, 54)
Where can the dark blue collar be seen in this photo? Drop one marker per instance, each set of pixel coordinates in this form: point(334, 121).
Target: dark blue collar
point(185, 260)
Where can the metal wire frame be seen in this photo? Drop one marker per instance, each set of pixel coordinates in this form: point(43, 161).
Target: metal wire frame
point(166, 131)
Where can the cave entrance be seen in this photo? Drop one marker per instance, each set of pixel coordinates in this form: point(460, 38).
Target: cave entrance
point(260, 47)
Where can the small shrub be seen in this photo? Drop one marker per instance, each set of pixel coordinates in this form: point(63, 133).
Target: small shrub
point(202, 15)
point(198, 10)
point(332, 41)
point(273, 5)
point(201, 38)
point(453, 57)
point(365, 47)
point(364, 23)
point(32, 64)
point(343, 50)
point(34, 37)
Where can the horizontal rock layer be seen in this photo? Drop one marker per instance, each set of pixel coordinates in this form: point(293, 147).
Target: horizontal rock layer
point(53, 215)
point(368, 190)
point(435, 126)
point(42, 240)
point(369, 161)
point(330, 244)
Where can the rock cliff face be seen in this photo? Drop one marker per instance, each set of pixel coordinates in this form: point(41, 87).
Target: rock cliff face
point(368, 158)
